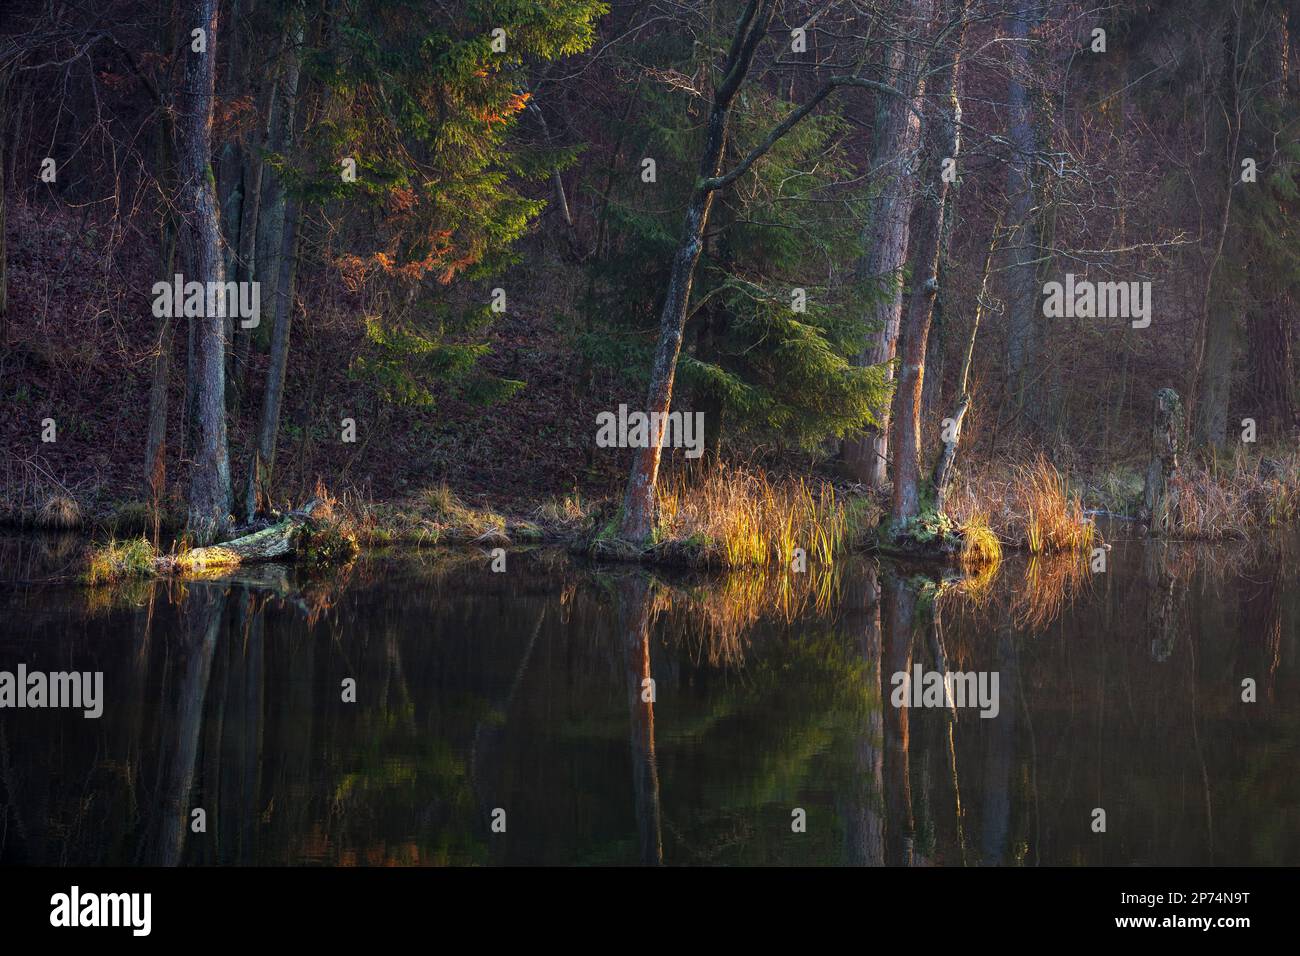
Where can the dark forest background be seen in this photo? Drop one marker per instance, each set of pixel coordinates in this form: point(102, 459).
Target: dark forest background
point(511, 169)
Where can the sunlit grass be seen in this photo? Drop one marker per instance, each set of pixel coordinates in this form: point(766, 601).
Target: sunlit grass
point(1026, 506)
point(119, 561)
point(980, 546)
point(738, 518)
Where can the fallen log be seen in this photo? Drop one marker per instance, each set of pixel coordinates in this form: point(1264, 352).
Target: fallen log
point(277, 542)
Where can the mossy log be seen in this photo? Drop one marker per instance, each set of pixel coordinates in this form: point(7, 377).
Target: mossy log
point(277, 542)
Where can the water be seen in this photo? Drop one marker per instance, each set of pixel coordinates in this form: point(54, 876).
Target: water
point(527, 692)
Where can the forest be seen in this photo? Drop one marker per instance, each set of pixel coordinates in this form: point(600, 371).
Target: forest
point(938, 277)
point(640, 432)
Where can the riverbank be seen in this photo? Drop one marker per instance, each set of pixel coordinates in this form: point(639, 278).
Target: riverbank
point(723, 517)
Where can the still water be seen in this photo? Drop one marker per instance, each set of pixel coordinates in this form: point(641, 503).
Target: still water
point(601, 716)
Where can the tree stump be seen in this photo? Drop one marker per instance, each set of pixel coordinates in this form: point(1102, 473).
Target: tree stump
point(1160, 494)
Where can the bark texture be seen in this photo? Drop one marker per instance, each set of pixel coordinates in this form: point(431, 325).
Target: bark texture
point(209, 499)
point(945, 141)
point(893, 176)
point(1024, 339)
point(1160, 495)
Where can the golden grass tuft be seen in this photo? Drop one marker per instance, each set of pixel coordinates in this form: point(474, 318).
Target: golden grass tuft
point(566, 515)
point(980, 547)
point(1026, 506)
point(454, 520)
point(117, 561)
point(737, 518)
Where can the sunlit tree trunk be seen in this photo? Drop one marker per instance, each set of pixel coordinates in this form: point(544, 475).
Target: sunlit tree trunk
point(893, 175)
point(944, 142)
point(639, 498)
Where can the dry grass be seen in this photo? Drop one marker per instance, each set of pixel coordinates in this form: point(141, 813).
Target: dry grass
point(117, 561)
point(1026, 506)
point(1236, 500)
point(566, 516)
point(59, 513)
point(457, 521)
point(980, 547)
point(736, 518)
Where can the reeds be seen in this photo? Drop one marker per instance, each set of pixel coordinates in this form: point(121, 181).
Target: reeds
point(1251, 495)
point(1026, 506)
point(737, 518)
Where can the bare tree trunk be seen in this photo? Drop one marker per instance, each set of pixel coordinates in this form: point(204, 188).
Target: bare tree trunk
point(261, 467)
point(893, 172)
point(1024, 314)
point(284, 255)
point(209, 505)
point(944, 137)
point(155, 454)
point(5, 79)
point(284, 108)
point(945, 467)
point(945, 310)
point(1159, 494)
point(1216, 369)
point(1272, 327)
point(1270, 321)
point(639, 499)
point(1211, 373)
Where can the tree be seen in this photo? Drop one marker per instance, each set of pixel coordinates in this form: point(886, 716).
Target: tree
point(885, 237)
point(639, 498)
point(1023, 335)
point(209, 498)
point(944, 134)
point(775, 315)
point(280, 262)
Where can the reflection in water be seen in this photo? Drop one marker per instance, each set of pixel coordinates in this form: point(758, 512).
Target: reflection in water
point(634, 613)
point(620, 717)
